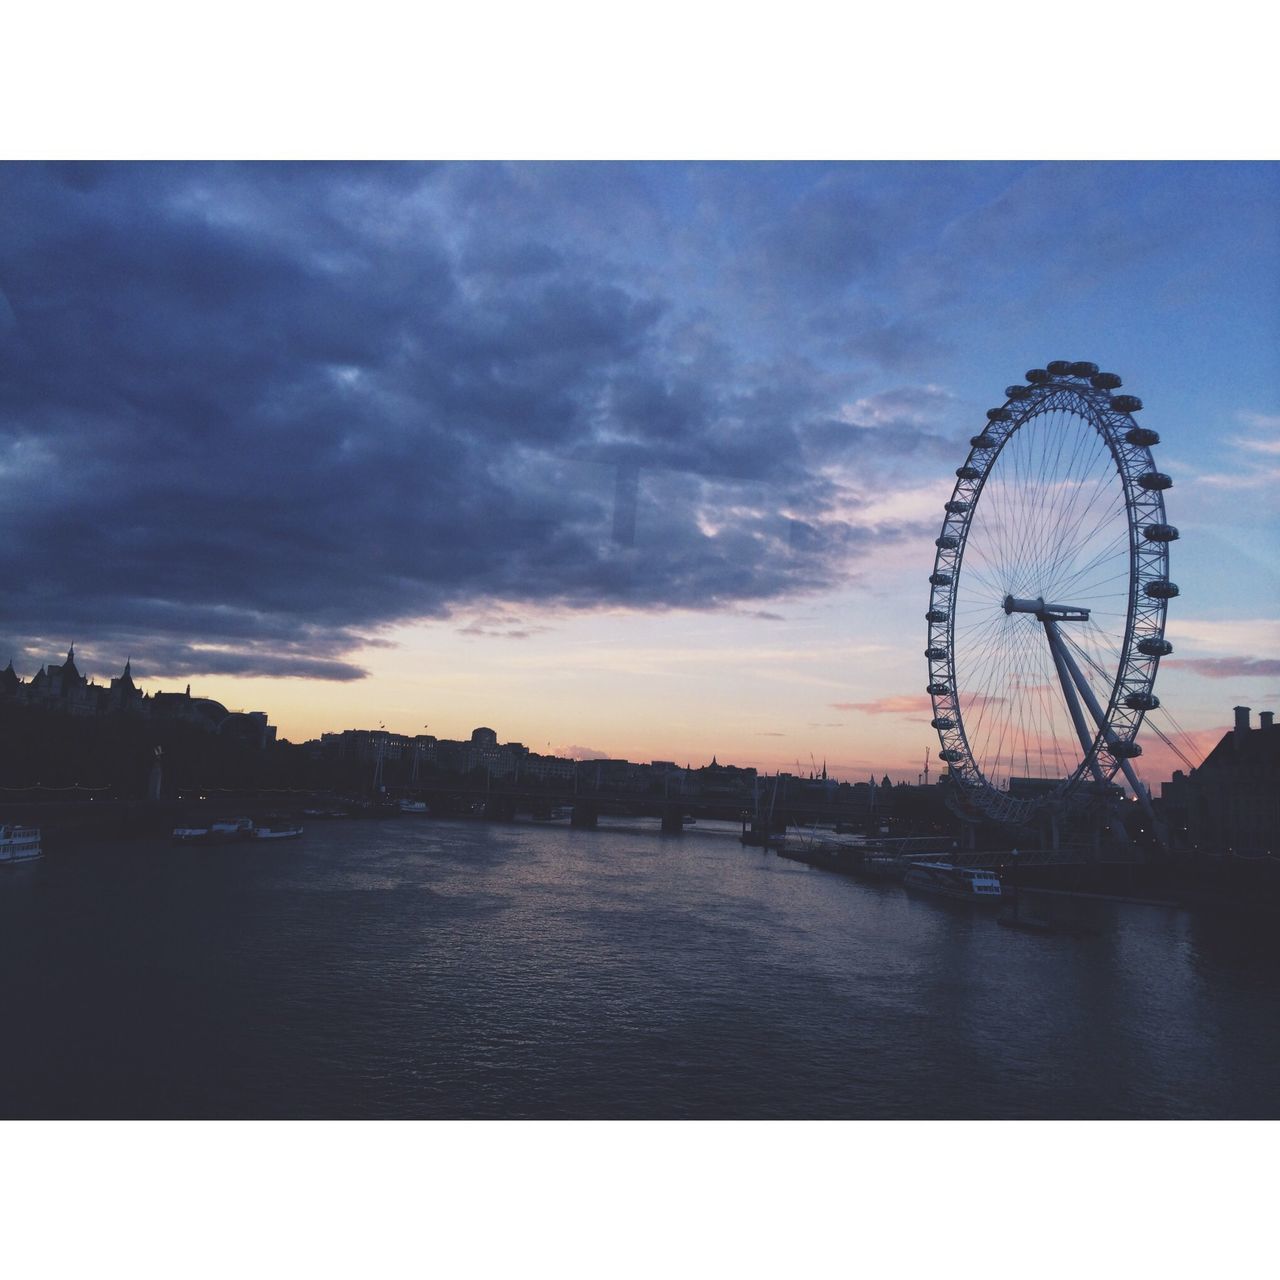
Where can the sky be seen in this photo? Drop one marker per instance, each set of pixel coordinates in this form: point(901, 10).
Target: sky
point(627, 460)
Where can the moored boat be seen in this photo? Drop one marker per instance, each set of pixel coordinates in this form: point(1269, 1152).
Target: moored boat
point(235, 829)
point(963, 884)
point(413, 806)
point(19, 844)
point(277, 833)
point(191, 835)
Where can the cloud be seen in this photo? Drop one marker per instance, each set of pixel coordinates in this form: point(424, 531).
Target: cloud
point(501, 625)
point(894, 704)
point(254, 415)
point(580, 753)
point(1227, 668)
point(1252, 635)
point(1266, 423)
point(1254, 466)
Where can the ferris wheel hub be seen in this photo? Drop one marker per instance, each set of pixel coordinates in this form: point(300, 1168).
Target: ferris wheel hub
point(1046, 612)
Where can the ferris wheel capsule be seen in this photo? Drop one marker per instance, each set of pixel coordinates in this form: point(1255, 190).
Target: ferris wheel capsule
point(1154, 480)
point(1143, 700)
point(1083, 369)
point(1105, 381)
point(1126, 404)
point(1142, 436)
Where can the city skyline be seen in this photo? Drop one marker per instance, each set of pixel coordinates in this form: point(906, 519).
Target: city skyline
point(638, 460)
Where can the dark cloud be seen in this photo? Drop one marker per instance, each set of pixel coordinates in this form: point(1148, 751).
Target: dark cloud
point(250, 415)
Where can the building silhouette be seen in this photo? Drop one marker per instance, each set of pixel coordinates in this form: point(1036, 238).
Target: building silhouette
point(1230, 804)
point(61, 688)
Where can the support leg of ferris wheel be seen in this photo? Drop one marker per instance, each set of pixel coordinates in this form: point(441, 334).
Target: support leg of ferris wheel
point(1058, 650)
point(1062, 659)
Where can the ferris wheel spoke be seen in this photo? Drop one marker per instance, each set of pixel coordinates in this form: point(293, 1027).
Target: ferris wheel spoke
point(1111, 558)
point(1093, 544)
point(1094, 538)
point(1067, 535)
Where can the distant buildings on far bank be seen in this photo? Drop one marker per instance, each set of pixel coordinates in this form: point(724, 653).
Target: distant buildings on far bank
point(411, 758)
point(62, 688)
point(402, 761)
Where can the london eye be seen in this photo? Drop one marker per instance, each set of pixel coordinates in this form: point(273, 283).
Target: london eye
point(1048, 596)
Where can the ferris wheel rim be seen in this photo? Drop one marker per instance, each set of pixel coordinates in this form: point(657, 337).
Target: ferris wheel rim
point(1078, 389)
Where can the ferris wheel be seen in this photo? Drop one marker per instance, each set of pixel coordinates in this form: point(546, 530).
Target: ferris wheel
point(1048, 596)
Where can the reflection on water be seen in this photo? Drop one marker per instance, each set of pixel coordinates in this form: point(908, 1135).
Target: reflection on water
point(415, 968)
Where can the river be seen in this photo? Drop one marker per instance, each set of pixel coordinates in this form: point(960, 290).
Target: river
point(414, 968)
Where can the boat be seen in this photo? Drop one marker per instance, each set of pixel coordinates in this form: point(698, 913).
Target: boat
point(191, 835)
point(964, 884)
point(19, 844)
point(277, 833)
point(413, 806)
point(235, 829)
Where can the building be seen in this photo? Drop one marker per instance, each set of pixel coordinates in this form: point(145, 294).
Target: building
point(1230, 804)
point(64, 690)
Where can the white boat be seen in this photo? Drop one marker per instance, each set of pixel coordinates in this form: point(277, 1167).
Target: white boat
point(277, 833)
point(964, 884)
point(19, 844)
point(191, 835)
point(413, 806)
point(236, 829)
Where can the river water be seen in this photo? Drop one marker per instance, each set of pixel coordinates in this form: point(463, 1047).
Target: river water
point(415, 968)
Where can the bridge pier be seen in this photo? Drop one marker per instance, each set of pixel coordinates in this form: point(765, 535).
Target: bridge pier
point(585, 817)
point(500, 809)
point(672, 820)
